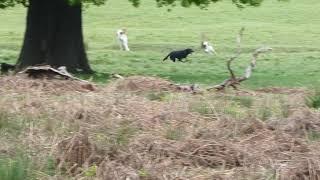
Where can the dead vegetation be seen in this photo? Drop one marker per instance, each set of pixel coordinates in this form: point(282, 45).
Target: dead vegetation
point(113, 132)
point(147, 84)
point(53, 86)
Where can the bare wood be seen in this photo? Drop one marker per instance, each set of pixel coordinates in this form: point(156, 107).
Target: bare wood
point(118, 76)
point(237, 54)
point(62, 71)
point(234, 81)
point(253, 62)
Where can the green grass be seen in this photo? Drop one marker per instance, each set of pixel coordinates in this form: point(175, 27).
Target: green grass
point(313, 101)
point(10, 124)
point(290, 28)
point(313, 136)
point(16, 168)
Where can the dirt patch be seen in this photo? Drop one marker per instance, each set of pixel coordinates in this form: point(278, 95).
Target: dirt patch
point(114, 170)
point(54, 86)
point(151, 84)
point(279, 90)
point(142, 83)
point(301, 123)
point(300, 168)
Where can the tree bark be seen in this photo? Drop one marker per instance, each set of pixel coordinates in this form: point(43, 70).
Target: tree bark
point(54, 36)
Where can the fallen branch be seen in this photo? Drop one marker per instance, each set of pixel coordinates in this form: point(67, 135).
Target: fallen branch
point(118, 76)
point(234, 81)
point(237, 53)
point(38, 71)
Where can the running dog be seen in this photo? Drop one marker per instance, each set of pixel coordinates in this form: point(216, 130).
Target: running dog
point(179, 55)
point(207, 47)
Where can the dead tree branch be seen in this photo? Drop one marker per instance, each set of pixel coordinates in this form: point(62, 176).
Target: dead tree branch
point(234, 81)
point(237, 54)
point(39, 71)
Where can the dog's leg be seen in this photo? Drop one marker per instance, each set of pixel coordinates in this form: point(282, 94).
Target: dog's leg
point(182, 60)
point(126, 47)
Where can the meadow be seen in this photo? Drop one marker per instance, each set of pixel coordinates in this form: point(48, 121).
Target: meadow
point(290, 28)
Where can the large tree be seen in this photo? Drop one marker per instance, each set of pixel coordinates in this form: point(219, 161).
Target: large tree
point(54, 35)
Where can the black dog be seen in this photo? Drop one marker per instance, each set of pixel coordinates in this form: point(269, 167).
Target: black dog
point(178, 55)
point(5, 68)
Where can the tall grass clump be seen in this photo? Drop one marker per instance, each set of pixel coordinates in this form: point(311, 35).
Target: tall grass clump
point(245, 101)
point(17, 168)
point(313, 101)
point(313, 136)
point(201, 107)
point(174, 133)
point(285, 108)
point(9, 124)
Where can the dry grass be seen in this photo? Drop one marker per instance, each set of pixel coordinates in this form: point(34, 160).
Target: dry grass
point(117, 132)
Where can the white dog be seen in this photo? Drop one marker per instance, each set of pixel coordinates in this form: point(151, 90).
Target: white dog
point(123, 39)
point(208, 48)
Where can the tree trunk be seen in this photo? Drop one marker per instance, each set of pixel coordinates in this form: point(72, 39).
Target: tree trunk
point(54, 36)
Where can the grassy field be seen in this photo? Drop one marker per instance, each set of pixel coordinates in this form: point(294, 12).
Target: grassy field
point(291, 29)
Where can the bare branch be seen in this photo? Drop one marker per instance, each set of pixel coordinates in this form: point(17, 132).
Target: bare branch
point(34, 71)
point(234, 81)
point(237, 54)
point(253, 62)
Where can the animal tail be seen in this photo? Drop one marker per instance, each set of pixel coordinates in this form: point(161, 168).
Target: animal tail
point(166, 57)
